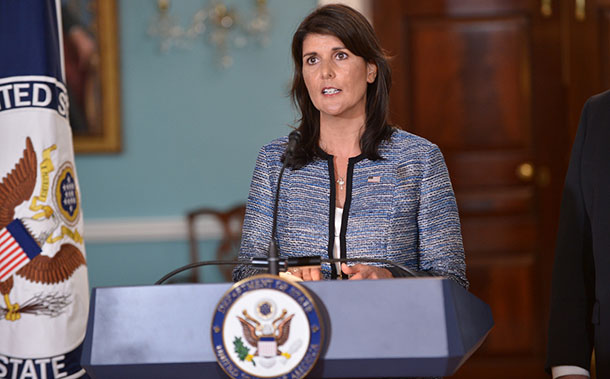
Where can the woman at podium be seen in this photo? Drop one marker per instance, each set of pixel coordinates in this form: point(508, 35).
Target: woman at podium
point(356, 186)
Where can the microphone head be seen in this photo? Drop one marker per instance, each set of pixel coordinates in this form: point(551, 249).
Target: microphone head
point(293, 140)
point(294, 137)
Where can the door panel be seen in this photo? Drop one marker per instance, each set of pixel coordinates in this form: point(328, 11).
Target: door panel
point(516, 332)
point(494, 235)
point(480, 81)
point(485, 168)
point(586, 57)
point(500, 201)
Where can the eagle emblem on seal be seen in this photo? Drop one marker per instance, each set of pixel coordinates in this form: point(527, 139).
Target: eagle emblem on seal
point(264, 334)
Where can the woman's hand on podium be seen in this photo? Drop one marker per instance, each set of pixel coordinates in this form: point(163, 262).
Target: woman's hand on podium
point(307, 273)
point(360, 271)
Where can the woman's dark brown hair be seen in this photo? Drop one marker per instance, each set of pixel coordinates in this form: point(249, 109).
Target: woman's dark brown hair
point(358, 36)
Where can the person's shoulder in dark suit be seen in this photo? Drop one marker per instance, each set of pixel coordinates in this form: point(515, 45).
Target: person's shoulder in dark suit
point(574, 301)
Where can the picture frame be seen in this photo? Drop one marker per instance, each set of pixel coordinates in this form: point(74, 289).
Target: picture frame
point(102, 98)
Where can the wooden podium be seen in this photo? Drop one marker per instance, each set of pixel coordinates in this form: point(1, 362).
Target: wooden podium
point(374, 328)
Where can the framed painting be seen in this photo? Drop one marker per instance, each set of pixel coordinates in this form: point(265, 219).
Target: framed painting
point(91, 64)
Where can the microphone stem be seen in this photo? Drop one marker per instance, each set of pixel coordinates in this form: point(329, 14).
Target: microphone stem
point(274, 261)
point(274, 268)
point(293, 140)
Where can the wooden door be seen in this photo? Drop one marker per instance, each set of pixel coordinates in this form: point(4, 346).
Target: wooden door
point(586, 53)
point(485, 80)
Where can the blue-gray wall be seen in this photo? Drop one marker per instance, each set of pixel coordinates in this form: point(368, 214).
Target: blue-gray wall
point(191, 132)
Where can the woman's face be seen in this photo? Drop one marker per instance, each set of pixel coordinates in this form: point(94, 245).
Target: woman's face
point(336, 78)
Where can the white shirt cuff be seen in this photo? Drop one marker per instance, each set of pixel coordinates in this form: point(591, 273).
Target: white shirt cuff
point(558, 371)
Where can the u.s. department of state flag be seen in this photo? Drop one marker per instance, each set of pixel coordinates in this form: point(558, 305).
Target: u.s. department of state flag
point(44, 294)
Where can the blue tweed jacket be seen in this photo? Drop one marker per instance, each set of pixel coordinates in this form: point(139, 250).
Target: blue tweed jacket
point(400, 208)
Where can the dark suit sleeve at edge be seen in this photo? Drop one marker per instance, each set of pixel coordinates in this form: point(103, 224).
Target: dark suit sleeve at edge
point(570, 334)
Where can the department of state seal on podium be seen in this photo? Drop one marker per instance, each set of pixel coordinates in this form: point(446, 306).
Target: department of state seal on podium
point(267, 327)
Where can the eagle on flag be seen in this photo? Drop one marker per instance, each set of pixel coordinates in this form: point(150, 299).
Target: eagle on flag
point(21, 239)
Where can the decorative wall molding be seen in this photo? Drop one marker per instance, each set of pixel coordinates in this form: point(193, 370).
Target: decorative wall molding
point(160, 229)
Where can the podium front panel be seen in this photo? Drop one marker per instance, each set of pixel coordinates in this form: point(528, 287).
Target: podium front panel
point(395, 327)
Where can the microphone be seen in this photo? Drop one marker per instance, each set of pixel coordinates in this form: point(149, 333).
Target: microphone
point(293, 140)
point(284, 263)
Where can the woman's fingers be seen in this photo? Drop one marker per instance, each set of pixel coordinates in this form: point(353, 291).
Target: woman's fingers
point(355, 272)
point(350, 270)
point(307, 273)
point(361, 271)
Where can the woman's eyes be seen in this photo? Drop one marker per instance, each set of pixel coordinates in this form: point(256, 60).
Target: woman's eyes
point(340, 55)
